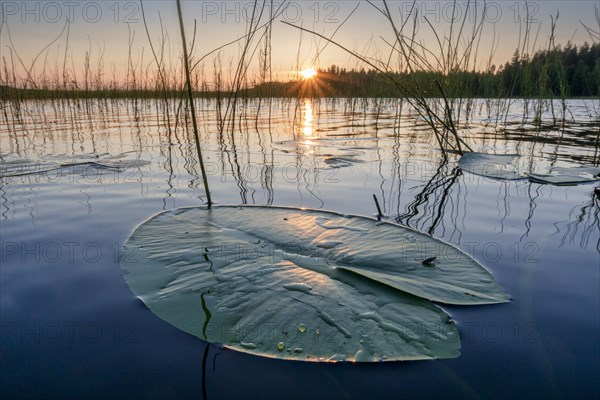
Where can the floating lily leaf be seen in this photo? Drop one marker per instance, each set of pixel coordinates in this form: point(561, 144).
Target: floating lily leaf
point(303, 284)
point(495, 166)
point(505, 167)
point(23, 167)
point(568, 176)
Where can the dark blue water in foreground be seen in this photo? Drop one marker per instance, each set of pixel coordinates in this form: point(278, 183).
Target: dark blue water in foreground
point(70, 327)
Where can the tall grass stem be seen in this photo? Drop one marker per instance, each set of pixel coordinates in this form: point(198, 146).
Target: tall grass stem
point(190, 94)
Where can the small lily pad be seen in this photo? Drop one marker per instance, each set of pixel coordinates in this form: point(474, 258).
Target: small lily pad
point(506, 167)
point(495, 166)
point(568, 176)
point(243, 278)
point(24, 167)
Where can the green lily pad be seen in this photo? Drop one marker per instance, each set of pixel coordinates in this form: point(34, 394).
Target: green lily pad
point(303, 284)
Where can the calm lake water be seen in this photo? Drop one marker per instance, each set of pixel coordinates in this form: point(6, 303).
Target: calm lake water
point(77, 179)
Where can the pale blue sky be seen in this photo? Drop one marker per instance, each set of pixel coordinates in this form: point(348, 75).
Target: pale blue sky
point(107, 25)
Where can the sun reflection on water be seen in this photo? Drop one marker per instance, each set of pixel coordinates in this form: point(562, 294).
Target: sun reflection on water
point(308, 131)
point(308, 118)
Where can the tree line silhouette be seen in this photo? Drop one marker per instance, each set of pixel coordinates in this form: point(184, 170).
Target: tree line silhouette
point(559, 72)
point(562, 72)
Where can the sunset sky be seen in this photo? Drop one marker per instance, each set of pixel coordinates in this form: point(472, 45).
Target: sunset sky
point(28, 27)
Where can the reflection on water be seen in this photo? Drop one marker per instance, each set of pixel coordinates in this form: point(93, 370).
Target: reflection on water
point(331, 154)
point(308, 118)
point(342, 146)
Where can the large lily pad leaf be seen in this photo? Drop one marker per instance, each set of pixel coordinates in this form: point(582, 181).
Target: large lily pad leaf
point(303, 284)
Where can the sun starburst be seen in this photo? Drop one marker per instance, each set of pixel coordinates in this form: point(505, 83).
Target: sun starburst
point(308, 73)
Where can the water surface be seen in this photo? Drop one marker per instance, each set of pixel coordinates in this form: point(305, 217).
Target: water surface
point(77, 178)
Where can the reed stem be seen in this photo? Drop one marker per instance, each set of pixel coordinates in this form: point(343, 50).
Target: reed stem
point(191, 101)
point(379, 213)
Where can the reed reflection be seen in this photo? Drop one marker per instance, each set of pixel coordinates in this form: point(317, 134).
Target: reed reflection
point(283, 150)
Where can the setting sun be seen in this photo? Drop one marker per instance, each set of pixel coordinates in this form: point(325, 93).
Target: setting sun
point(308, 73)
